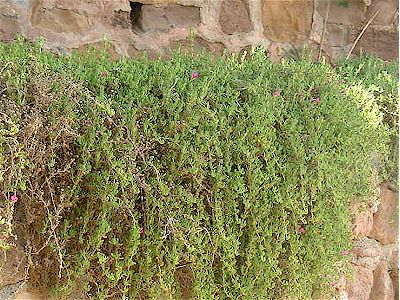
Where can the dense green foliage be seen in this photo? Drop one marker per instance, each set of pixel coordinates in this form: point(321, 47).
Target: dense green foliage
point(138, 180)
point(379, 80)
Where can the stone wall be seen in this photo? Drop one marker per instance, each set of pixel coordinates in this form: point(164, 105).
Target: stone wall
point(159, 25)
point(375, 251)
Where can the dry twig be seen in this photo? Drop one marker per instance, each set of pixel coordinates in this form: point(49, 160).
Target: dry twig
point(361, 33)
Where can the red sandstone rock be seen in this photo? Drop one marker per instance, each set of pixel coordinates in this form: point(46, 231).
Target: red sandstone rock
point(59, 20)
point(362, 219)
point(394, 275)
point(283, 21)
point(383, 286)
point(385, 228)
point(336, 34)
point(359, 287)
point(13, 262)
point(388, 11)
point(352, 14)
point(235, 16)
point(164, 18)
point(367, 248)
point(382, 43)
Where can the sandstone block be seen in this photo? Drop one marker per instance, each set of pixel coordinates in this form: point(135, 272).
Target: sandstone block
point(362, 219)
point(8, 28)
point(385, 227)
point(336, 35)
point(121, 19)
point(352, 14)
point(235, 16)
point(282, 20)
point(59, 20)
point(382, 288)
point(164, 18)
point(367, 247)
point(13, 262)
point(360, 285)
point(394, 275)
point(387, 12)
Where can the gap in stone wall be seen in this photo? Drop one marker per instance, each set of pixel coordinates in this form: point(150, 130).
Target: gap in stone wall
point(163, 17)
point(136, 15)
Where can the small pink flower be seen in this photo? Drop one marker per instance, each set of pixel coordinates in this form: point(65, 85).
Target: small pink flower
point(103, 74)
point(195, 75)
point(344, 252)
point(141, 231)
point(14, 198)
point(276, 93)
point(316, 100)
point(302, 230)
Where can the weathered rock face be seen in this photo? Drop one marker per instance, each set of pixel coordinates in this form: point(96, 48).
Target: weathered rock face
point(346, 21)
point(13, 262)
point(164, 18)
point(10, 20)
point(385, 228)
point(382, 43)
point(383, 287)
point(235, 16)
point(362, 219)
point(359, 287)
point(350, 13)
point(59, 20)
point(156, 25)
point(394, 275)
point(282, 21)
point(387, 13)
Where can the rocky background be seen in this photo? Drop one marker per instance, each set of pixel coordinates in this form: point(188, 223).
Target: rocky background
point(375, 252)
point(157, 26)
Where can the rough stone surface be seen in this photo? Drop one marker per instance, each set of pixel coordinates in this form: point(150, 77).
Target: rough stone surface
point(235, 16)
point(70, 24)
point(383, 287)
point(388, 12)
point(394, 275)
point(362, 219)
point(336, 35)
point(9, 28)
point(359, 287)
point(122, 19)
point(353, 14)
point(382, 43)
point(283, 22)
point(10, 20)
point(385, 228)
point(13, 270)
point(164, 18)
point(367, 247)
point(394, 259)
point(59, 20)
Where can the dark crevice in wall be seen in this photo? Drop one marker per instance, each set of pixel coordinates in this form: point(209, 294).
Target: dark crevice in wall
point(135, 15)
